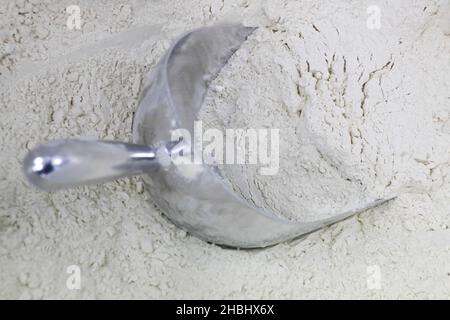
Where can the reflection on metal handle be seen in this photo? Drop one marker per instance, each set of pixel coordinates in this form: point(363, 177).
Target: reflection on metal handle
point(67, 163)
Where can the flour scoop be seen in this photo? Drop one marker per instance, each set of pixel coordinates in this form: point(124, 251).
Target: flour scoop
point(201, 203)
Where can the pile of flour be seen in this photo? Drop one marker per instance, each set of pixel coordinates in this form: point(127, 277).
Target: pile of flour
point(352, 105)
point(58, 83)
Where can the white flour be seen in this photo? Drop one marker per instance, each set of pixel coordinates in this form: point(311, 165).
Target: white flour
point(352, 105)
point(59, 83)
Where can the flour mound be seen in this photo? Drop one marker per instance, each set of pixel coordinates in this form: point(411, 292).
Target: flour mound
point(351, 106)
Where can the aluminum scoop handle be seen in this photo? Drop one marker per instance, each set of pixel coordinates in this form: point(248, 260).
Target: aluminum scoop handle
point(63, 164)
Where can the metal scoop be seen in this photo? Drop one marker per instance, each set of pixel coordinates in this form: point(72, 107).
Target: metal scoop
point(172, 97)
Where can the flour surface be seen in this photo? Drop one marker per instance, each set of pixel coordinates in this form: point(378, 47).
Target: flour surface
point(352, 106)
point(58, 83)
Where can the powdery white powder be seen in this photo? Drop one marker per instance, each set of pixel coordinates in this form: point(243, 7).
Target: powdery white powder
point(57, 83)
point(352, 105)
